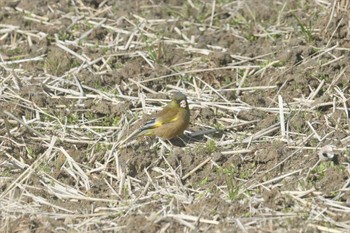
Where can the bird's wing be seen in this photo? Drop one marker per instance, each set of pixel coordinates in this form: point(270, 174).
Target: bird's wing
point(167, 115)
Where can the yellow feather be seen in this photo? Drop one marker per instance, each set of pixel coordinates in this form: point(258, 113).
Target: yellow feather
point(171, 121)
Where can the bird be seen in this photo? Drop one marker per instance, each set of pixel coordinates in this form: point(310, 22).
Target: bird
point(171, 121)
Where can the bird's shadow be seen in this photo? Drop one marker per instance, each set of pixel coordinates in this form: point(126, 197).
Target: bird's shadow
point(199, 136)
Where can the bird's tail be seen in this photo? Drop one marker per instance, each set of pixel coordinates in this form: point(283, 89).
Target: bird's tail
point(146, 130)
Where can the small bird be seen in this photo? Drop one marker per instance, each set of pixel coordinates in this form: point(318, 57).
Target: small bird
point(171, 121)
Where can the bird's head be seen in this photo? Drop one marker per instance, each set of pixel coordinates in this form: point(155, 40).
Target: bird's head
point(179, 99)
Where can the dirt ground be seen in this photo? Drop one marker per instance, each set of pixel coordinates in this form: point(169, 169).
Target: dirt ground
point(267, 146)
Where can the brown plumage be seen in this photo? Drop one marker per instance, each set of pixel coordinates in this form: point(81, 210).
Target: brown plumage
point(171, 121)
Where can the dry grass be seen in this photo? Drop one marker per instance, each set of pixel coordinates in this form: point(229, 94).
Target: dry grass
point(273, 149)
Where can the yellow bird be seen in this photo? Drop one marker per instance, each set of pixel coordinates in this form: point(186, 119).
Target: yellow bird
point(171, 121)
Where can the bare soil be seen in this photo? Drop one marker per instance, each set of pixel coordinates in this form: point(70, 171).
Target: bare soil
point(268, 88)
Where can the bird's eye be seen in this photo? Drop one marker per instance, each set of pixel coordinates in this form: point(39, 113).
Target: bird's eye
point(183, 104)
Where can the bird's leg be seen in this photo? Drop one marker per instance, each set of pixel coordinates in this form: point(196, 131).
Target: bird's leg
point(184, 140)
point(164, 144)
